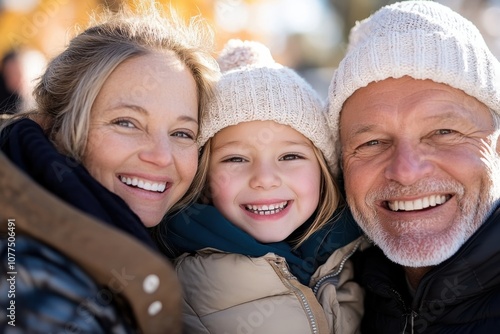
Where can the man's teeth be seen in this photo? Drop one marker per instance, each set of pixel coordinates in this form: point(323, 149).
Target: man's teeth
point(146, 185)
point(417, 204)
point(266, 209)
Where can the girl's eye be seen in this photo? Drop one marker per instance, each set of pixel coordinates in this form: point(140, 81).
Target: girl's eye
point(234, 159)
point(291, 157)
point(183, 134)
point(124, 123)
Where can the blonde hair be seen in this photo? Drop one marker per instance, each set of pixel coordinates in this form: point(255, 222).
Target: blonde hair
point(330, 196)
point(68, 88)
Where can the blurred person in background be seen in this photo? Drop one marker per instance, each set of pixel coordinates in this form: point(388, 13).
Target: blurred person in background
point(19, 69)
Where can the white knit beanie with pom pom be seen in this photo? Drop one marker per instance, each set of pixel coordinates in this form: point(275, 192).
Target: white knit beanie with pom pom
point(253, 87)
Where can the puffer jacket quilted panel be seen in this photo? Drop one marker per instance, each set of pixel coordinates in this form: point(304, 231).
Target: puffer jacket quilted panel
point(241, 294)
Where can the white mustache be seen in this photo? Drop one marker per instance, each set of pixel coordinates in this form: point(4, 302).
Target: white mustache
point(422, 187)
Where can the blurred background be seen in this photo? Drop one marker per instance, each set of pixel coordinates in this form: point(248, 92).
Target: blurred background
point(307, 35)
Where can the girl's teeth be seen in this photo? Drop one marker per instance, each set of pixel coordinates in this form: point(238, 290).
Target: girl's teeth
point(266, 209)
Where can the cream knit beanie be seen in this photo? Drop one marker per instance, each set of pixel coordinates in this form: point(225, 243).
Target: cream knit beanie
point(421, 39)
point(253, 87)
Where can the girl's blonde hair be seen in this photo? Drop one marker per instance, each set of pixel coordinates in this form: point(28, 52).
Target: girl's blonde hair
point(330, 196)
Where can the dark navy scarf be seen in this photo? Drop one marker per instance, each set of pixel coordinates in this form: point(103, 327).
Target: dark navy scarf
point(25, 144)
point(200, 226)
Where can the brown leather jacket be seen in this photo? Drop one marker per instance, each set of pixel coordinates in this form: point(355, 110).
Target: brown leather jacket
point(141, 279)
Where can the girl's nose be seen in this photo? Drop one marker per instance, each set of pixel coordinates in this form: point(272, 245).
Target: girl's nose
point(265, 176)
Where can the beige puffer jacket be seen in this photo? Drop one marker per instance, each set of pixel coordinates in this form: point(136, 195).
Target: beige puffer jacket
point(233, 294)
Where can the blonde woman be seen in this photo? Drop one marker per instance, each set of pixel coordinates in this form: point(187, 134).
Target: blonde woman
point(113, 135)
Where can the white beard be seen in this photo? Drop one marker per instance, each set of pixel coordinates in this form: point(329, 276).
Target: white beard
point(413, 247)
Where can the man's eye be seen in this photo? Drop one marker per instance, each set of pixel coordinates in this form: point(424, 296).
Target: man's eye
point(371, 143)
point(369, 146)
point(444, 132)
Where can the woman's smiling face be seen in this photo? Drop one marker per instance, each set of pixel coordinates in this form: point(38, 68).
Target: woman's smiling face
point(143, 126)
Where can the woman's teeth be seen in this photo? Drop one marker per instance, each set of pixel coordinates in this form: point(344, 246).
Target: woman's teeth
point(143, 184)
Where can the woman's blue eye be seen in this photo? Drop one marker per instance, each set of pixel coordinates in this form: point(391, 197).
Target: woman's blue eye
point(182, 134)
point(123, 122)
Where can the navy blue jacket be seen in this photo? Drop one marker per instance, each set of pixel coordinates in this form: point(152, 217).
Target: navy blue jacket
point(461, 295)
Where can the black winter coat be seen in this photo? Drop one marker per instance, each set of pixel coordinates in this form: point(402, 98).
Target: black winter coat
point(461, 295)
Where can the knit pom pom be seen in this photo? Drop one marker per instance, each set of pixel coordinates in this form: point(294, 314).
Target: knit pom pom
point(238, 54)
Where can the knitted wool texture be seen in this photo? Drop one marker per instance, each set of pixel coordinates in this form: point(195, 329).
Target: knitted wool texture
point(421, 39)
point(253, 87)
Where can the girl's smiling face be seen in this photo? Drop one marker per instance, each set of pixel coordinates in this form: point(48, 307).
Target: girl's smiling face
point(265, 178)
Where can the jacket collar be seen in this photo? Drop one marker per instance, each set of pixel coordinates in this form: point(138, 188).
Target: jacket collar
point(472, 269)
point(202, 226)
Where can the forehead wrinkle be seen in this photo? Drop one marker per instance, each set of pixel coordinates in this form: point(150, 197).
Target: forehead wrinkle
point(133, 107)
point(186, 118)
point(140, 110)
point(360, 129)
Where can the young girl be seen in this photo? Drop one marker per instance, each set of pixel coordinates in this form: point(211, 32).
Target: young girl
point(251, 256)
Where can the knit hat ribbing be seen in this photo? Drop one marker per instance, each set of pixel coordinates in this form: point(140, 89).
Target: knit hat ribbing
point(253, 87)
point(421, 39)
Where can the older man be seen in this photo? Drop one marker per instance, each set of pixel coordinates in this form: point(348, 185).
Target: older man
point(416, 106)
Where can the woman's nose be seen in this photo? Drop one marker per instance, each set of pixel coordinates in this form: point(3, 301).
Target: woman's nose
point(158, 152)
